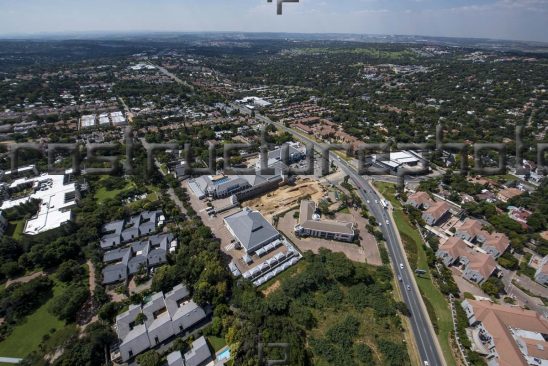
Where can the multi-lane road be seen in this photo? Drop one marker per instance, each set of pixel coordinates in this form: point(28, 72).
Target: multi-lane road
point(425, 339)
point(427, 343)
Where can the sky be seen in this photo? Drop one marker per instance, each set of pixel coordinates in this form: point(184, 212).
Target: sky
point(498, 19)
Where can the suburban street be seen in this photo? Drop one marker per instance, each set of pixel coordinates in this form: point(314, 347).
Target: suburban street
point(425, 338)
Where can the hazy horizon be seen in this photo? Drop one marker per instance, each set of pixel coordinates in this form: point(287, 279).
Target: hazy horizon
point(520, 20)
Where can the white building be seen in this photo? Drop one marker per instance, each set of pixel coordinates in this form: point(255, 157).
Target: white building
point(57, 195)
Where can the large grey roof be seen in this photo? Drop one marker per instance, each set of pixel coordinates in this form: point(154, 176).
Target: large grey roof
point(134, 255)
point(174, 297)
point(190, 314)
point(114, 227)
point(114, 255)
point(158, 319)
point(198, 353)
point(251, 229)
point(137, 225)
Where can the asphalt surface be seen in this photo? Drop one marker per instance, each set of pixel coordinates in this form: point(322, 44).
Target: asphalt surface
point(425, 339)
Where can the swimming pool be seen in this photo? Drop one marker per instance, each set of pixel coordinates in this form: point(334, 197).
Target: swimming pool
point(225, 355)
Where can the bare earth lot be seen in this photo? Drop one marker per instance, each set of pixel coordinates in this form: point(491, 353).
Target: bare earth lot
point(285, 197)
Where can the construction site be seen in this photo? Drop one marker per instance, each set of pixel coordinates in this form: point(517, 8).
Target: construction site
point(287, 197)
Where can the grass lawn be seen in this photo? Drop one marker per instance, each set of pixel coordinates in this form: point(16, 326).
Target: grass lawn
point(103, 194)
point(15, 229)
point(417, 257)
point(345, 210)
point(27, 336)
point(216, 343)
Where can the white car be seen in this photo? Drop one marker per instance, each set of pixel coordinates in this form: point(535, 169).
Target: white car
point(387, 222)
point(401, 265)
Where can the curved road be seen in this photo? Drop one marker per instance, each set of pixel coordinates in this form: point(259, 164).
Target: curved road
point(425, 338)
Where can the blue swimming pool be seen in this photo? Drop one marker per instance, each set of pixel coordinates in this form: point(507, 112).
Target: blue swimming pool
point(225, 355)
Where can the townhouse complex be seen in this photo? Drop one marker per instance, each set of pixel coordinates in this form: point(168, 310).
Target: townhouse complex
point(163, 316)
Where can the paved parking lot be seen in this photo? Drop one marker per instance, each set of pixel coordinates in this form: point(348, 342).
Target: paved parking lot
point(216, 223)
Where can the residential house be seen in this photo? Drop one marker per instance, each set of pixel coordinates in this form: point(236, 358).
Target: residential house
point(420, 200)
point(506, 194)
point(145, 254)
point(140, 328)
point(469, 230)
point(486, 196)
point(507, 335)
point(476, 266)
point(436, 213)
point(310, 224)
point(122, 231)
point(175, 359)
point(520, 215)
point(496, 244)
point(199, 354)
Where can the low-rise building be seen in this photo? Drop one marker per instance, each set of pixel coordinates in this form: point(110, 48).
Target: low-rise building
point(475, 266)
point(420, 200)
point(289, 153)
point(507, 335)
point(469, 230)
point(242, 186)
point(398, 160)
point(251, 230)
point(165, 315)
point(123, 231)
point(310, 224)
point(496, 244)
point(142, 255)
point(57, 193)
point(520, 215)
point(436, 213)
point(508, 193)
point(198, 355)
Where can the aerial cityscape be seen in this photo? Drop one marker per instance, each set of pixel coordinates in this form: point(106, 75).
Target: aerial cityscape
point(274, 183)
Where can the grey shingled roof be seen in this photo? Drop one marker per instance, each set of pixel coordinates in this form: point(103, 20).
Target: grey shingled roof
point(175, 359)
point(190, 313)
point(251, 229)
point(198, 354)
